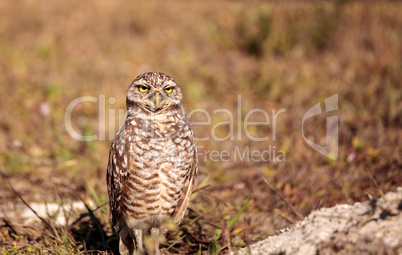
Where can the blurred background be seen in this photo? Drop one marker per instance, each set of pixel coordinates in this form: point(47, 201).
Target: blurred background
point(275, 56)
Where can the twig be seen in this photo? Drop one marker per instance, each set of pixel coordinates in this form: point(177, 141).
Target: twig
point(225, 237)
point(373, 180)
point(221, 249)
point(100, 206)
point(56, 235)
point(317, 203)
point(298, 214)
point(175, 242)
point(205, 187)
point(40, 231)
point(197, 239)
point(217, 198)
point(287, 217)
point(10, 226)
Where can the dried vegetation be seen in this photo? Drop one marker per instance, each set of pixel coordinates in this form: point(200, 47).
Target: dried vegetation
point(276, 56)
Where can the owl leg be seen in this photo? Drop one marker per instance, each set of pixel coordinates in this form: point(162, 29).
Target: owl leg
point(126, 245)
point(155, 237)
point(138, 241)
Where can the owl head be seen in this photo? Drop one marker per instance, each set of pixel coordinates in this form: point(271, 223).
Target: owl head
point(154, 92)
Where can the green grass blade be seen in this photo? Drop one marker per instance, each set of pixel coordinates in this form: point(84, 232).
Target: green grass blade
point(94, 194)
point(232, 221)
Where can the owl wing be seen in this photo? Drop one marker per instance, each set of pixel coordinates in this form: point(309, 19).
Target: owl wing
point(185, 197)
point(113, 185)
point(116, 176)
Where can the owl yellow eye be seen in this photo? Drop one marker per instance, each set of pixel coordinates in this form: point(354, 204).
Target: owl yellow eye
point(169, 90)
point(143, 88)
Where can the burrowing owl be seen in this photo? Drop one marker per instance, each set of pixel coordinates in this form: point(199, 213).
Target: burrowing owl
point(152, 162)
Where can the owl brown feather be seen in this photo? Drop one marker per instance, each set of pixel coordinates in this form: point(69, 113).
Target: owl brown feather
point(152, 161)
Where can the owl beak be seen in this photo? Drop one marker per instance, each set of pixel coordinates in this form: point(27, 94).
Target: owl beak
point(158, 99)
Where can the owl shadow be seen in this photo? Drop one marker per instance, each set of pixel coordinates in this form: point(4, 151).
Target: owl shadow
point(90, 232)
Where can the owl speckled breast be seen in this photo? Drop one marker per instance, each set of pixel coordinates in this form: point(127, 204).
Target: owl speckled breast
point(152, 161)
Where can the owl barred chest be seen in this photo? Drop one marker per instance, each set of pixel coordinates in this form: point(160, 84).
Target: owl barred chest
point(157, 154)
point(152, 161)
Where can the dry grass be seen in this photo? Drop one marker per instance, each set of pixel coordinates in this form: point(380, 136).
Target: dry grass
point(276, 56)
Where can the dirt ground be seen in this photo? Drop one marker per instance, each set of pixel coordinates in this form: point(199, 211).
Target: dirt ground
point(371, 227)
point(237, 63)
